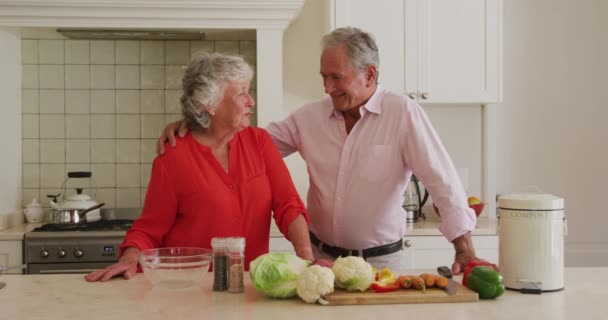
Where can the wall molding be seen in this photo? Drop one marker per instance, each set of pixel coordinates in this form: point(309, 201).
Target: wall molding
point(224, 14)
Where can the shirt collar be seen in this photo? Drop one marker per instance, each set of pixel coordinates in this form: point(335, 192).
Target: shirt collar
point(373, 105)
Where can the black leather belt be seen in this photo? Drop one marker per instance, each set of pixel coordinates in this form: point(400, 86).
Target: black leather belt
point(365, 253)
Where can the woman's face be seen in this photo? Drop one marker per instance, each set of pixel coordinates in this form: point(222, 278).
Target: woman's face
point(234, 110)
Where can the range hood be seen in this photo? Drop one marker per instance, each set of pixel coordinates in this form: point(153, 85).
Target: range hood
point(108, 34)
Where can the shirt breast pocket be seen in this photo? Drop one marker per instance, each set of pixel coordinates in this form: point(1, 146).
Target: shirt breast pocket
point(376, 162)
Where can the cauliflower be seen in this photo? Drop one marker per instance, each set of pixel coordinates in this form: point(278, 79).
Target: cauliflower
point(314, 283)
point(353, 273)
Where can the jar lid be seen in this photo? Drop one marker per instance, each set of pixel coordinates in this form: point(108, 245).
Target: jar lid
point(34, 204)
point(217, 243)
point(234, 244)
point(531, 201)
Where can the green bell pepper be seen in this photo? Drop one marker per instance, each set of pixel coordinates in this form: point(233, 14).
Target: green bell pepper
point(486, 281)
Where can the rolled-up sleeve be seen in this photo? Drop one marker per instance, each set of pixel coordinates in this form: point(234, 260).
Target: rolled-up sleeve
point(429, 160)
point(158, 214)
point(286, 203)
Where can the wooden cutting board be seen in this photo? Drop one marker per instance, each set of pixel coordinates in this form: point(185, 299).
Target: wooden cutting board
point(402, 296)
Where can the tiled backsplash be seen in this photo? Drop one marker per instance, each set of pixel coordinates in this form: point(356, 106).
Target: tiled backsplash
point(100, 105)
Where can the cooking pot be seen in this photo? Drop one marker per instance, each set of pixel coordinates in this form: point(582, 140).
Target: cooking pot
point(72, 215)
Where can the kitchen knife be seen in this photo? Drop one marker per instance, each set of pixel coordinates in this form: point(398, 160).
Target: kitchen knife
point(446, 272)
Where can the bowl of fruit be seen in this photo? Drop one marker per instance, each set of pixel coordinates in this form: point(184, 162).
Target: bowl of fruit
point(474, 203)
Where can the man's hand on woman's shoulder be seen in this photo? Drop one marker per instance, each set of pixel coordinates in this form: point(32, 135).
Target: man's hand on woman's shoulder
point(168, 134)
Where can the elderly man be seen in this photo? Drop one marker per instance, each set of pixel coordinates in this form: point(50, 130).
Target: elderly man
point(361, 145)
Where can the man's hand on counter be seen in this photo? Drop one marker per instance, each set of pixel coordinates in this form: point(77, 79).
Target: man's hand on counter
point(465, 252)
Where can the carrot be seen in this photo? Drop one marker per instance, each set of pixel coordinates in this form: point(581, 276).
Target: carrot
point(429, 279)
point(405, 281)
point(418, 283)
point(441, 282)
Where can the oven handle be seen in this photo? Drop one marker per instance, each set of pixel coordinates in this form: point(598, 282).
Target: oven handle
point(59, 271)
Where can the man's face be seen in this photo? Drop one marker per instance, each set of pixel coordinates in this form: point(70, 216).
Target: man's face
point(347, 87)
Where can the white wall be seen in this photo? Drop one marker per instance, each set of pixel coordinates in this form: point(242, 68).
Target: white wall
point(552, 125)
point(10, 121)
point(301, 79)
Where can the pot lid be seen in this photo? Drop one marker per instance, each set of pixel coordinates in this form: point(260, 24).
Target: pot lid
point(531, 201)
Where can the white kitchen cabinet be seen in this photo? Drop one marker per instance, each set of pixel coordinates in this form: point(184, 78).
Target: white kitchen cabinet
point(435, 51)
point(11, 254)
point(429, 252)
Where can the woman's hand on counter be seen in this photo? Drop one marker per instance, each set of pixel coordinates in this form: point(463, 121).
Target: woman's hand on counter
point(126, 265)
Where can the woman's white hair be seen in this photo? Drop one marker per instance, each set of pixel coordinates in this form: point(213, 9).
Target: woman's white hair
point(204, 83)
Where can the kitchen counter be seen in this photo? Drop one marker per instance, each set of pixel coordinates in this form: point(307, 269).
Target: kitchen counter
point(429, 227)
point(70, 297)
point(16, 232)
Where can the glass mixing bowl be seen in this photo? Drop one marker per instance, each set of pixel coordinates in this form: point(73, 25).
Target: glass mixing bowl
point(175, 267)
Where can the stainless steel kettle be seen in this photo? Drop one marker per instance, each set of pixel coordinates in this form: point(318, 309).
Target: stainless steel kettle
point(413, 201)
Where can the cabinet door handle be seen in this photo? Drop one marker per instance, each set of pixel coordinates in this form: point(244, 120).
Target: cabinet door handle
point(407, 243)
point(412, 95)
point(424, 95)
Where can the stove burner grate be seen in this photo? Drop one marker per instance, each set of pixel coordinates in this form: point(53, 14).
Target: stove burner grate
point(101, 225)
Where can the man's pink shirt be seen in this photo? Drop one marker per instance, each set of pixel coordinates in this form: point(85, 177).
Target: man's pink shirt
point(357, 180)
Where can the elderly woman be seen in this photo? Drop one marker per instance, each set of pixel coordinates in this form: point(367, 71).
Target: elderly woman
point(223, 179)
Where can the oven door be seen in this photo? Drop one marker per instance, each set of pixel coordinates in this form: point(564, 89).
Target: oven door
point(65, 268)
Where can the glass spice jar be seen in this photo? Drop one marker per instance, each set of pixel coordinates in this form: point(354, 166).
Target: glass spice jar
point(236, 266)
point(220, 263)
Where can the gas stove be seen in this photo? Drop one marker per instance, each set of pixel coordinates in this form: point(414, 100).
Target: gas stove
point(75, 248)
point(101, 225)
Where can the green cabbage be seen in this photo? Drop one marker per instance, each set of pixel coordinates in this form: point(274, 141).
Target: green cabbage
point(276, 274)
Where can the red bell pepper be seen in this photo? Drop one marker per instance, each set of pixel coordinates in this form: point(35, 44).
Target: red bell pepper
point(473, 264)
point(386, 281)
point(386, 286)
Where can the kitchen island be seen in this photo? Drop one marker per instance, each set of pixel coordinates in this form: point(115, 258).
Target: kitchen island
point(69, 297)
